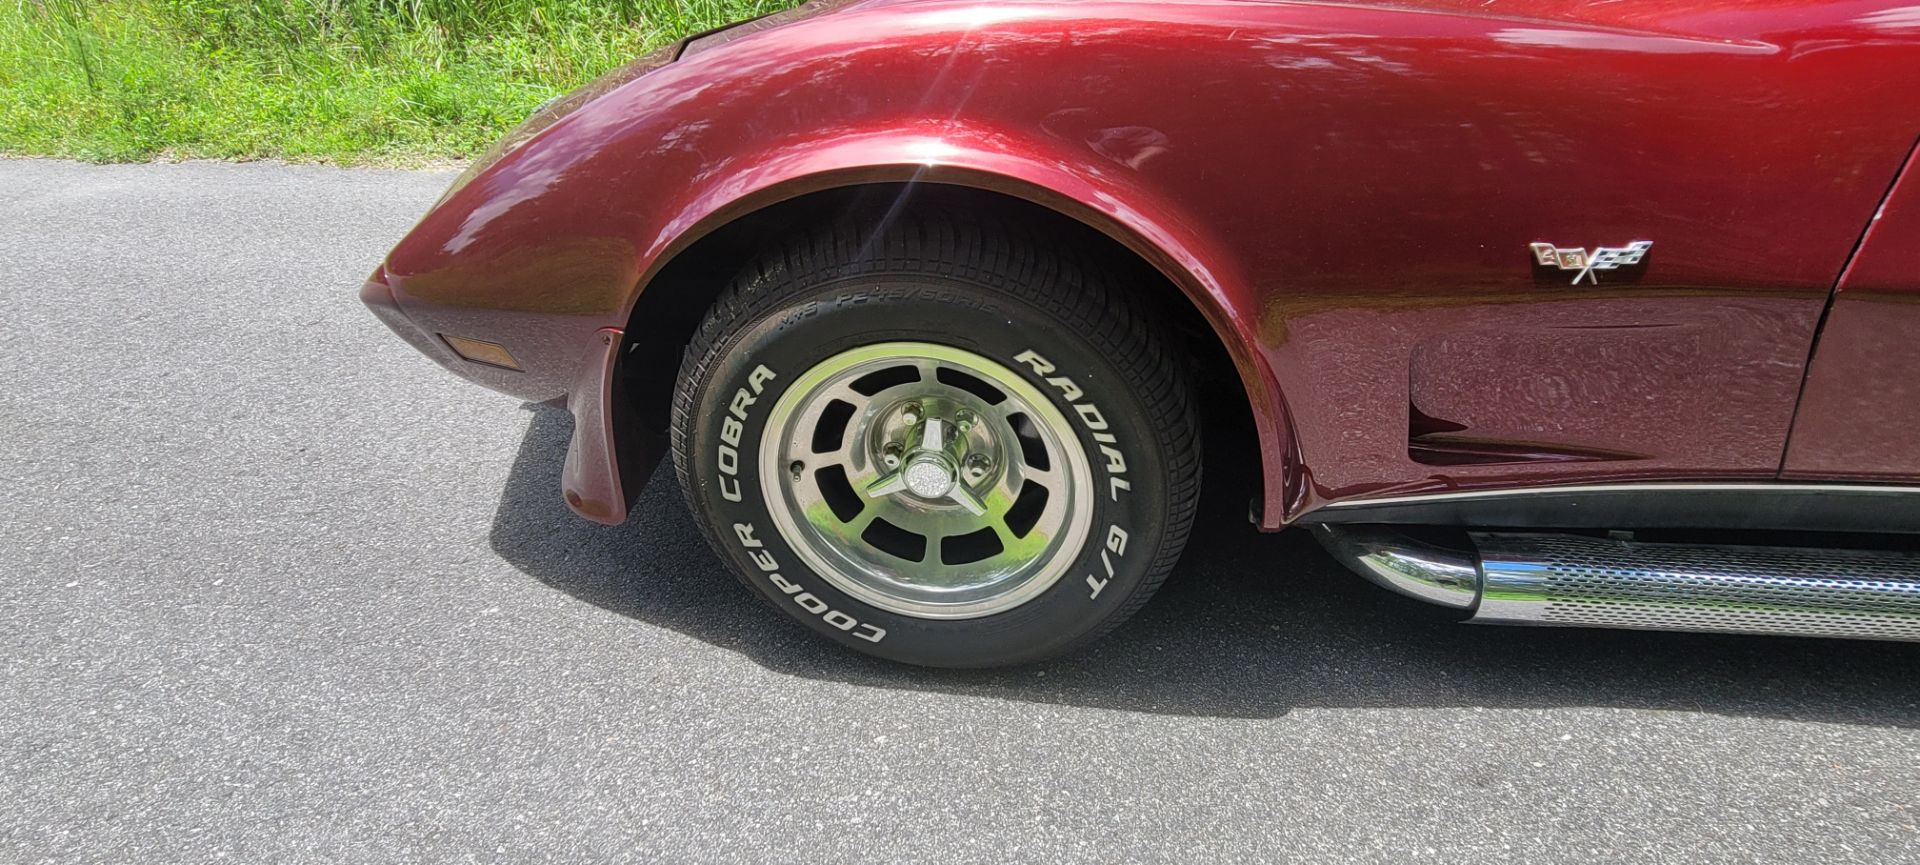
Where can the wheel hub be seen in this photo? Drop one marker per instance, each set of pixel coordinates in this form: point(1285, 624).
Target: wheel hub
point(932, 467)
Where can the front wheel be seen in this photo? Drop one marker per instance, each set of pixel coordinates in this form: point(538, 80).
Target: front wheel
point(939, 444)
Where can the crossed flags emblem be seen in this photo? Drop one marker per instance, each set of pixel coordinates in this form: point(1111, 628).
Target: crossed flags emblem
point(1602, 258)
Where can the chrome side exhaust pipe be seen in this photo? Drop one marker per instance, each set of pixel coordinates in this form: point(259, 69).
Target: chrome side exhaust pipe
point(1398, 563)
point(1579, 581)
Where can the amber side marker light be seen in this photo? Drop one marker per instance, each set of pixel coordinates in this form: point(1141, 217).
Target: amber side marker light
point(481, 351)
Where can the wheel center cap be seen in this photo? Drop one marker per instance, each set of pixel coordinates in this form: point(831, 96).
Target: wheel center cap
point(929, 475)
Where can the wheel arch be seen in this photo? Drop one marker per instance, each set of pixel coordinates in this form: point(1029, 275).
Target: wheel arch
point(1196, 289)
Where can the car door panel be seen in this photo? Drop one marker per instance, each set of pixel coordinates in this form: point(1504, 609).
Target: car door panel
point(1859, 416)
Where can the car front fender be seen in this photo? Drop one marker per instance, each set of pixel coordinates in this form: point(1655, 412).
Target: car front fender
point(553, 244)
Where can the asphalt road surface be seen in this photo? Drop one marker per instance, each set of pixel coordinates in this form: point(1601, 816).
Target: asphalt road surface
point(274, 588)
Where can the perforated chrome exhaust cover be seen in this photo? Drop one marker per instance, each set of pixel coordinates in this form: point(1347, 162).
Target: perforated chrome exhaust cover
point(1593, 582)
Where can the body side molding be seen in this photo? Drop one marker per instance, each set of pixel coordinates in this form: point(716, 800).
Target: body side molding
point(1767, 506)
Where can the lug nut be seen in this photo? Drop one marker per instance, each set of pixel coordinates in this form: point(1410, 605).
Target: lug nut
point(977, 466)
point(890, 455)
point(911, 414)
point(964, 420)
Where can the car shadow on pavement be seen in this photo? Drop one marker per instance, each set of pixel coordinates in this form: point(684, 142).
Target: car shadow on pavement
point(1249, 626)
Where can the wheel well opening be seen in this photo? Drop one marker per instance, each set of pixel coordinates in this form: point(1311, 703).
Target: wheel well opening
point(673, 303)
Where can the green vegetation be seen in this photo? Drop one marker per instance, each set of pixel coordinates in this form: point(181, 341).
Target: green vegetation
point(351, 81)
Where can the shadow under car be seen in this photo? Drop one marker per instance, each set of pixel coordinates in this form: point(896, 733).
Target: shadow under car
point(1248, 626)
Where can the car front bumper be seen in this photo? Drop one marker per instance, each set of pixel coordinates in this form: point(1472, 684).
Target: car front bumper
point(609, 456)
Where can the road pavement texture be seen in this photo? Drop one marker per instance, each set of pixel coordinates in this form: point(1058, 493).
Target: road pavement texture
point(274, 587)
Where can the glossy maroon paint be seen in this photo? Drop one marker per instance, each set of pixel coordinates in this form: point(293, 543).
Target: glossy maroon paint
point(1346, 192)
point(590, 478)
point(1859, 418)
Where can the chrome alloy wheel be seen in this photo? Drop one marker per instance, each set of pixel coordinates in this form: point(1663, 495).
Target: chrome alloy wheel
point(926, 480)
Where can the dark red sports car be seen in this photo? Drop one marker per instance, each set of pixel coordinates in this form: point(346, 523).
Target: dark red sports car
point(1557, 312)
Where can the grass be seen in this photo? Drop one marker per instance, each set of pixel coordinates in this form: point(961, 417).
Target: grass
point(348, 81)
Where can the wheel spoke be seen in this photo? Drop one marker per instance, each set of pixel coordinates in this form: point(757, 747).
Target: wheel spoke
point(841, 458)
point(851, 530)
point(844, 392)
point(1048, 477)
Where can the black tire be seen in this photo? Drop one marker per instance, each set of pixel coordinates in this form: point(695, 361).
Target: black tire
point(994, 291)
